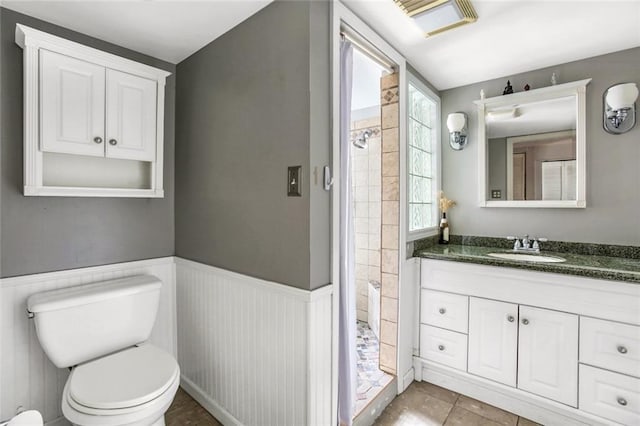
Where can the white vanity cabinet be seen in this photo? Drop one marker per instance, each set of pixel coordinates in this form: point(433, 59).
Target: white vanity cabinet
point(548, 354)
point(558, 349)
point(493, 340)
point(537, 353)
point(93, 121)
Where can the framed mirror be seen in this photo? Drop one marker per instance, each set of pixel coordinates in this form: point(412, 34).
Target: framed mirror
point(531, 148)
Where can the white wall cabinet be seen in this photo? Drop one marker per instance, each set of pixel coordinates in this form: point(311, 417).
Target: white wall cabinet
point(72, 105)
point(558, 349)
point(93, 121)
point(493, 340)
point(548, 354)
point(131, 117)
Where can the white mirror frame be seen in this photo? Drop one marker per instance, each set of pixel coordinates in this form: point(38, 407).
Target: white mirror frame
point(577, 89)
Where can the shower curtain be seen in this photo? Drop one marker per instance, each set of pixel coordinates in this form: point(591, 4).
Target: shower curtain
point(347, 327)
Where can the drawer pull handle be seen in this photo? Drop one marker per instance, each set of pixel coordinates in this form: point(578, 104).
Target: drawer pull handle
point(622, 401)
point(622, 349)
point(441, 348)
point(525, 321)
point(97, 139)
point(113, 142)
point(511, 318)
point(442, 311)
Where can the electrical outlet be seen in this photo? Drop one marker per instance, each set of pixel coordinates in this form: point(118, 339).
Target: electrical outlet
point(294, 181)
point(496, 193)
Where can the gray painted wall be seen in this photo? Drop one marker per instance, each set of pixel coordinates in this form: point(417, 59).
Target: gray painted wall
point(249, 104)
point(613, 176)
point(319, 142)
point(40, 234)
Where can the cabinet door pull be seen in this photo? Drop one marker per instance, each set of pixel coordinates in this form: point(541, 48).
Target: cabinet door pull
point(441, 348)
point(97, 139)
point(113, 142)
point(622, 349)
point(511, 318)
point(442, 311)
point(622, 401)
point(525, 321)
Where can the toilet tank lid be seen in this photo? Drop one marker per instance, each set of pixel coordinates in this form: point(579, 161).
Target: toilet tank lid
point(90, 293)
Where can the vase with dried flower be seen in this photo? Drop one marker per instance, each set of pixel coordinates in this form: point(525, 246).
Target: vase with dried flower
point(445, 205)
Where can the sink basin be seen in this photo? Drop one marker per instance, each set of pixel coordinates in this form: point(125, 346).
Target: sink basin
point(528, 257)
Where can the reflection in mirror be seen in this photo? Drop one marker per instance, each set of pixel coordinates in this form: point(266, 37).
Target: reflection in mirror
point(533, 151)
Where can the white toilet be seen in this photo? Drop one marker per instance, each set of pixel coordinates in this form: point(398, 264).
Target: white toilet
point(100, 330)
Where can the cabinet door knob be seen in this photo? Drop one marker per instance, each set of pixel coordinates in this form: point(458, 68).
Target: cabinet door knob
point(113, 142)
point(622, 401)
point(511, 318)
point(442, 310)
point(525, 321)
point(441, 347)
point(622, 349)
point(97, 139)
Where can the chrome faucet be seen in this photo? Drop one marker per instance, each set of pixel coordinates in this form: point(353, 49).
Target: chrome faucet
point(526, 244)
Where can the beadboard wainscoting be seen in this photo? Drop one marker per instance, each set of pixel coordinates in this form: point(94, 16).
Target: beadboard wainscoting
point(254, 352)
point(27, 378)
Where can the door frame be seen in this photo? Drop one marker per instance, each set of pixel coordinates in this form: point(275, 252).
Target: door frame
point(340, 15)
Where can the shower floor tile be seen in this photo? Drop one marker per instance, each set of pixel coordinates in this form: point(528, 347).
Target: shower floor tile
point(371, 380)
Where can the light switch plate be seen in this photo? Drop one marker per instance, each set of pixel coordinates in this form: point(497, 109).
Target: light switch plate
point(294, 181)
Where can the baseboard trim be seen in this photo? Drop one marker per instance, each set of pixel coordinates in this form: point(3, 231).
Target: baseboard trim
point(407, 379)
point(60, 421)
point(209, 404)
point(530, 406)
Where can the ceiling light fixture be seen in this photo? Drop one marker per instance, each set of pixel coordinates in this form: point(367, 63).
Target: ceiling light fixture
point(436, 16)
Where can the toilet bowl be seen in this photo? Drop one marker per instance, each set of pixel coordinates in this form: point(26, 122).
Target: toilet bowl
point(100, 331)
point(132, 387)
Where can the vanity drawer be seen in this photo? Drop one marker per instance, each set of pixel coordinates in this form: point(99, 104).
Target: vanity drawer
point(610, 395)
point(445, 310)
point(610, 345)
point(443, 346)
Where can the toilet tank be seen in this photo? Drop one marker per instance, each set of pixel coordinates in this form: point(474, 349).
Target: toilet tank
point(78, 324)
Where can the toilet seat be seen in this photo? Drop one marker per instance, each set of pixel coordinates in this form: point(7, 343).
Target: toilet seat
point(122, 380)
point(131, 387)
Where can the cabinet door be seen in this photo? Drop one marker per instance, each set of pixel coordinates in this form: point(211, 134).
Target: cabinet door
point(548, 354)
point(71, 105)
point(493, 340)
point(131, 117)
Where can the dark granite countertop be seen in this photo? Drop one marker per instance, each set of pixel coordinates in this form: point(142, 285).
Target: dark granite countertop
point(585, 265)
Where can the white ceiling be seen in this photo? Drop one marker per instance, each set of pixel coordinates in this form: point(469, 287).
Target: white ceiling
point(534, 118)
point(510, 36)
point(168, 30)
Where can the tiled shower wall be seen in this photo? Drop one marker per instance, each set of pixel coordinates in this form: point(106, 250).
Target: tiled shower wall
point(390, 222)
point(367, 190)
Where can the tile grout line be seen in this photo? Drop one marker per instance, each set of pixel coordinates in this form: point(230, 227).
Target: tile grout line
point(451, 411)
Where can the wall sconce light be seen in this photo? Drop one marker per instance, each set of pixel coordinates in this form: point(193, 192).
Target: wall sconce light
point(457, 124)
point(620, 108)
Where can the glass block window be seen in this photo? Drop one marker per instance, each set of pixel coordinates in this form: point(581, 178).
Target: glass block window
point(422, 152)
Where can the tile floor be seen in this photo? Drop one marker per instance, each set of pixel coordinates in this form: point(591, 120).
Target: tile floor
point(424, 404)
point(185, 411)
point(371, 380)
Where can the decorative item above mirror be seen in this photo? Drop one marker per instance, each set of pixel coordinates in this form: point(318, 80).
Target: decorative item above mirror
point(532, 148)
